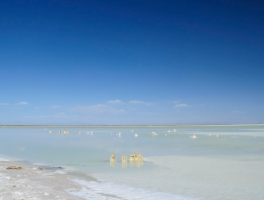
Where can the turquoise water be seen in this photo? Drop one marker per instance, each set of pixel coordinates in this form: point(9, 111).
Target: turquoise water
point(229, 166)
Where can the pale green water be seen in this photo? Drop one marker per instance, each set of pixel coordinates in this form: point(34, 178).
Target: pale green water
point(226, 167)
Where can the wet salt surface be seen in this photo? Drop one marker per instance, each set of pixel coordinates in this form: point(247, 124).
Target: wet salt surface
point(222, 177)
point(3, 159)
point(110, 191)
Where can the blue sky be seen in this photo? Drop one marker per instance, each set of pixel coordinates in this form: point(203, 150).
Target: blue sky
point(131, 62)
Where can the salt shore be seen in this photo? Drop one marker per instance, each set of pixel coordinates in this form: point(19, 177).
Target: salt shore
point(36, 183)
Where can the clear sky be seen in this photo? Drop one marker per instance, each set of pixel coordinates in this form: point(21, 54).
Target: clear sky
point(131, 62)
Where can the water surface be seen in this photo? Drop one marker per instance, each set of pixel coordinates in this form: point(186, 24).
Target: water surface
point(227, 165)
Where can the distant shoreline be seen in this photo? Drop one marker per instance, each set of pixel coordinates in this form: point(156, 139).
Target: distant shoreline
point(129, 125)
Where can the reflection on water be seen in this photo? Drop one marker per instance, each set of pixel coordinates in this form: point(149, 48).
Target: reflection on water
point(124, 164)
point(221, 162)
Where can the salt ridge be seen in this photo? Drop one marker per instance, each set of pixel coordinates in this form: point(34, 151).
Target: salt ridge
point(110, 191)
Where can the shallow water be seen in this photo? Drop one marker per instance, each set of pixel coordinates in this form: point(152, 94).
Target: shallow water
point(229, 166)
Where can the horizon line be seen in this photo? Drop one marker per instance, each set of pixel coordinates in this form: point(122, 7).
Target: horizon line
point(17, 125)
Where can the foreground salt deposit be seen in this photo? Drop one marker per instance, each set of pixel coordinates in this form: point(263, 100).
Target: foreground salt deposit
point(32, 183)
